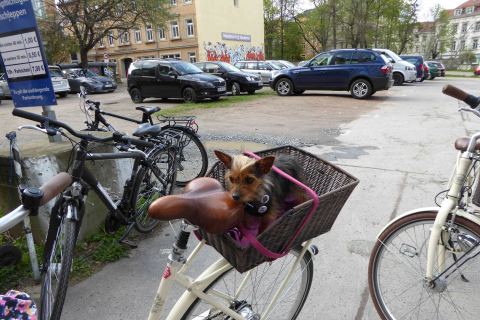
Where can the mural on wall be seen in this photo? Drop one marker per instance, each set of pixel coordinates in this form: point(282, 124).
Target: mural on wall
point(220, 51)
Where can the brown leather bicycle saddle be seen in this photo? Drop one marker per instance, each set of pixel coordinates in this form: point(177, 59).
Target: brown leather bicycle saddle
point(204, 204)
point(461, 144)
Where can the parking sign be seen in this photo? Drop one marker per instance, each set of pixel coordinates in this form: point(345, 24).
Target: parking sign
point(22, 55)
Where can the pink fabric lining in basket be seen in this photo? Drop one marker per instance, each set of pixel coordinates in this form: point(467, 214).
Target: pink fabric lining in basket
point(248, 235)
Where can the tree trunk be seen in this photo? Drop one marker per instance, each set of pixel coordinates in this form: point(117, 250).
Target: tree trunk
point(83, 58)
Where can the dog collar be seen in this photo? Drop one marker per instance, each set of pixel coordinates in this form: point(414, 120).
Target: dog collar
point(259, 208)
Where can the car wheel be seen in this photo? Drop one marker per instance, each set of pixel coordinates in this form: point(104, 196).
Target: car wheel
point(235, 89)
point(63, 94)
point(423, 78)
point(189, 95)
point(136, 95)
point(298, 92)
point(284, 87)
point(361, 89)
point(398, 79)
point(251, 92)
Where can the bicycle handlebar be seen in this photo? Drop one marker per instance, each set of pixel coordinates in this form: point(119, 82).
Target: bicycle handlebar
point(50, 189)
point(459, 94)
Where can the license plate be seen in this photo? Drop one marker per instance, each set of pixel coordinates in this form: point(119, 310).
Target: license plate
point(56, 83)
point(108, 86)
point(220, 89)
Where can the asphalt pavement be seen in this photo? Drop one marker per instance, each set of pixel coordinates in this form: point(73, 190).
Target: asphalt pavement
point(400, 146)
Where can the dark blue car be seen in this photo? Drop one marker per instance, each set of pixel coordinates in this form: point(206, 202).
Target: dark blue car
point(360, 71)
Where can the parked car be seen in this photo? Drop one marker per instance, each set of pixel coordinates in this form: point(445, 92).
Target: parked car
point(403, 71)
point(476, 71)
point(286, 63)
point(438, 66)
point(88, 79)
point(172, 78)
point(360, 71)
point(59, 81)
point(264, 69)
point(434, 71)
point(418, 62)
point(237, 81)
point(4, 86)
point(426, 72)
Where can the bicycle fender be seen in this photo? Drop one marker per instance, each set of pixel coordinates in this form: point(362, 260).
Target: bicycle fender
point(408, 213)
point(459, 213)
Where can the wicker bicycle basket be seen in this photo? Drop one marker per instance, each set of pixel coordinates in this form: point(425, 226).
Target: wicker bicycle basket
point(333, 187)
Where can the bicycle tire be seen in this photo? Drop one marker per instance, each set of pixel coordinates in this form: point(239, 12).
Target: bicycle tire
point(269, 273)
point(190, 156)
point(147, 187)
point(58, 267)
point(398, 290)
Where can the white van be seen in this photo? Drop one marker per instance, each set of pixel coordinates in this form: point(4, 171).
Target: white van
point(403, 71)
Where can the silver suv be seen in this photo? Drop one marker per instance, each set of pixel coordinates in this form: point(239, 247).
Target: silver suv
point(265, 69)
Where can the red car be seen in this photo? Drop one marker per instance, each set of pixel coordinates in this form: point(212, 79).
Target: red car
point(476, 71)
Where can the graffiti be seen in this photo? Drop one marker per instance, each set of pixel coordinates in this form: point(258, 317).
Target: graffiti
point(222, 52)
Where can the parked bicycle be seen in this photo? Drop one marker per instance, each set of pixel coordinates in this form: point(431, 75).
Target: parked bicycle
point(153, 176)
point(192, 156)
point(424, 264)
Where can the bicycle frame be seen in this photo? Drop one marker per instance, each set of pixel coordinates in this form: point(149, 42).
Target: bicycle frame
point(176, 270)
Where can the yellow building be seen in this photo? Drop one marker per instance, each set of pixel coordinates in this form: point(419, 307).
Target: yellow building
point(201, 30)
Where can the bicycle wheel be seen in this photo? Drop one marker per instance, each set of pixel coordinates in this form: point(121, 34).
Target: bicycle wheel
point(397, 269)
point(260, 286)
point(56, 272)
point(193, 160)
point(150, 184)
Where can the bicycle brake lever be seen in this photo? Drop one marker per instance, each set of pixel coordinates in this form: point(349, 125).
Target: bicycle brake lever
point(48, 131)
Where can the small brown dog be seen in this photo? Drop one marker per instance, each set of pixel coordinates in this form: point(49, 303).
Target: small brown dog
point(264, 192)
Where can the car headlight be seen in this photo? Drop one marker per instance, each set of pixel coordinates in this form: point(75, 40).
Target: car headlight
point(250, 78)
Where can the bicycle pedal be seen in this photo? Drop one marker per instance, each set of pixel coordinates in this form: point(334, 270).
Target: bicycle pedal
point(129, 243)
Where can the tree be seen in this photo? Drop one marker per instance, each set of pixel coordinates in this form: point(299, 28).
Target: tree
point(58, 44)
point(89, 21)
point(442, 33)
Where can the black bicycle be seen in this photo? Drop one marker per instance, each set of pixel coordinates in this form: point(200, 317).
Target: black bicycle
point(192, 156)
point(153, 176)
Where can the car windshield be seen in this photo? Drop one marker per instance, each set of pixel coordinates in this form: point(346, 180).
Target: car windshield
point(390, 54)
point(186, 68)
point(287, 63)
point(277, 65)
point(85, 73)
point(229, 67)
point(55, 73)
point(411, 60)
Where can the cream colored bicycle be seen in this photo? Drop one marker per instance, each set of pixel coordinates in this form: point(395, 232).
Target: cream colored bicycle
point(270, 279)
point(425, 263)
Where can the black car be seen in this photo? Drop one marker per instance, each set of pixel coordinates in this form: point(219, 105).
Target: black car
point(237, 80)
point(88, 79)
point(172, 78)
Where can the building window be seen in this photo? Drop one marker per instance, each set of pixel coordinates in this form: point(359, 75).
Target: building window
point(475, 44)
point(149, 32)
point(464, 26)
point(171, 56)
point(161, 34)
point(187, 1)
point(462, 45)
point(138, 36)
point(101, 44)
point(469, 10)
point(190, 31)
point(175, 30)
point(235, 3)
point(111, 39)
point(455, 28)
point(192, 57)
point(453, 47)
point(124, 37)
point(457, 12)
point(173, 2)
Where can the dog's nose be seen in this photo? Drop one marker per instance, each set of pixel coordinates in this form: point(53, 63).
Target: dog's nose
point(236, 196)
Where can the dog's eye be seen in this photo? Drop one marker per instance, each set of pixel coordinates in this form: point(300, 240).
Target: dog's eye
point(232, 179)
point(249, 180)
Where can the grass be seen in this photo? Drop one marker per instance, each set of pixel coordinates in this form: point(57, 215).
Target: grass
point(90, 255)
point(460, 76)
point(185, 108)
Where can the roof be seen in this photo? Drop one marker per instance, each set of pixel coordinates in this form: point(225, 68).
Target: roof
point(425, 26)
point(463, 6)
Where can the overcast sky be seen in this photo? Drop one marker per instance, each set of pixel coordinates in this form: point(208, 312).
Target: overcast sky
point(425, 6)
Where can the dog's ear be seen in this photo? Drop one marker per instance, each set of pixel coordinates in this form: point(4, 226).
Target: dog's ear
point(263, 166)
point(224, 158)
